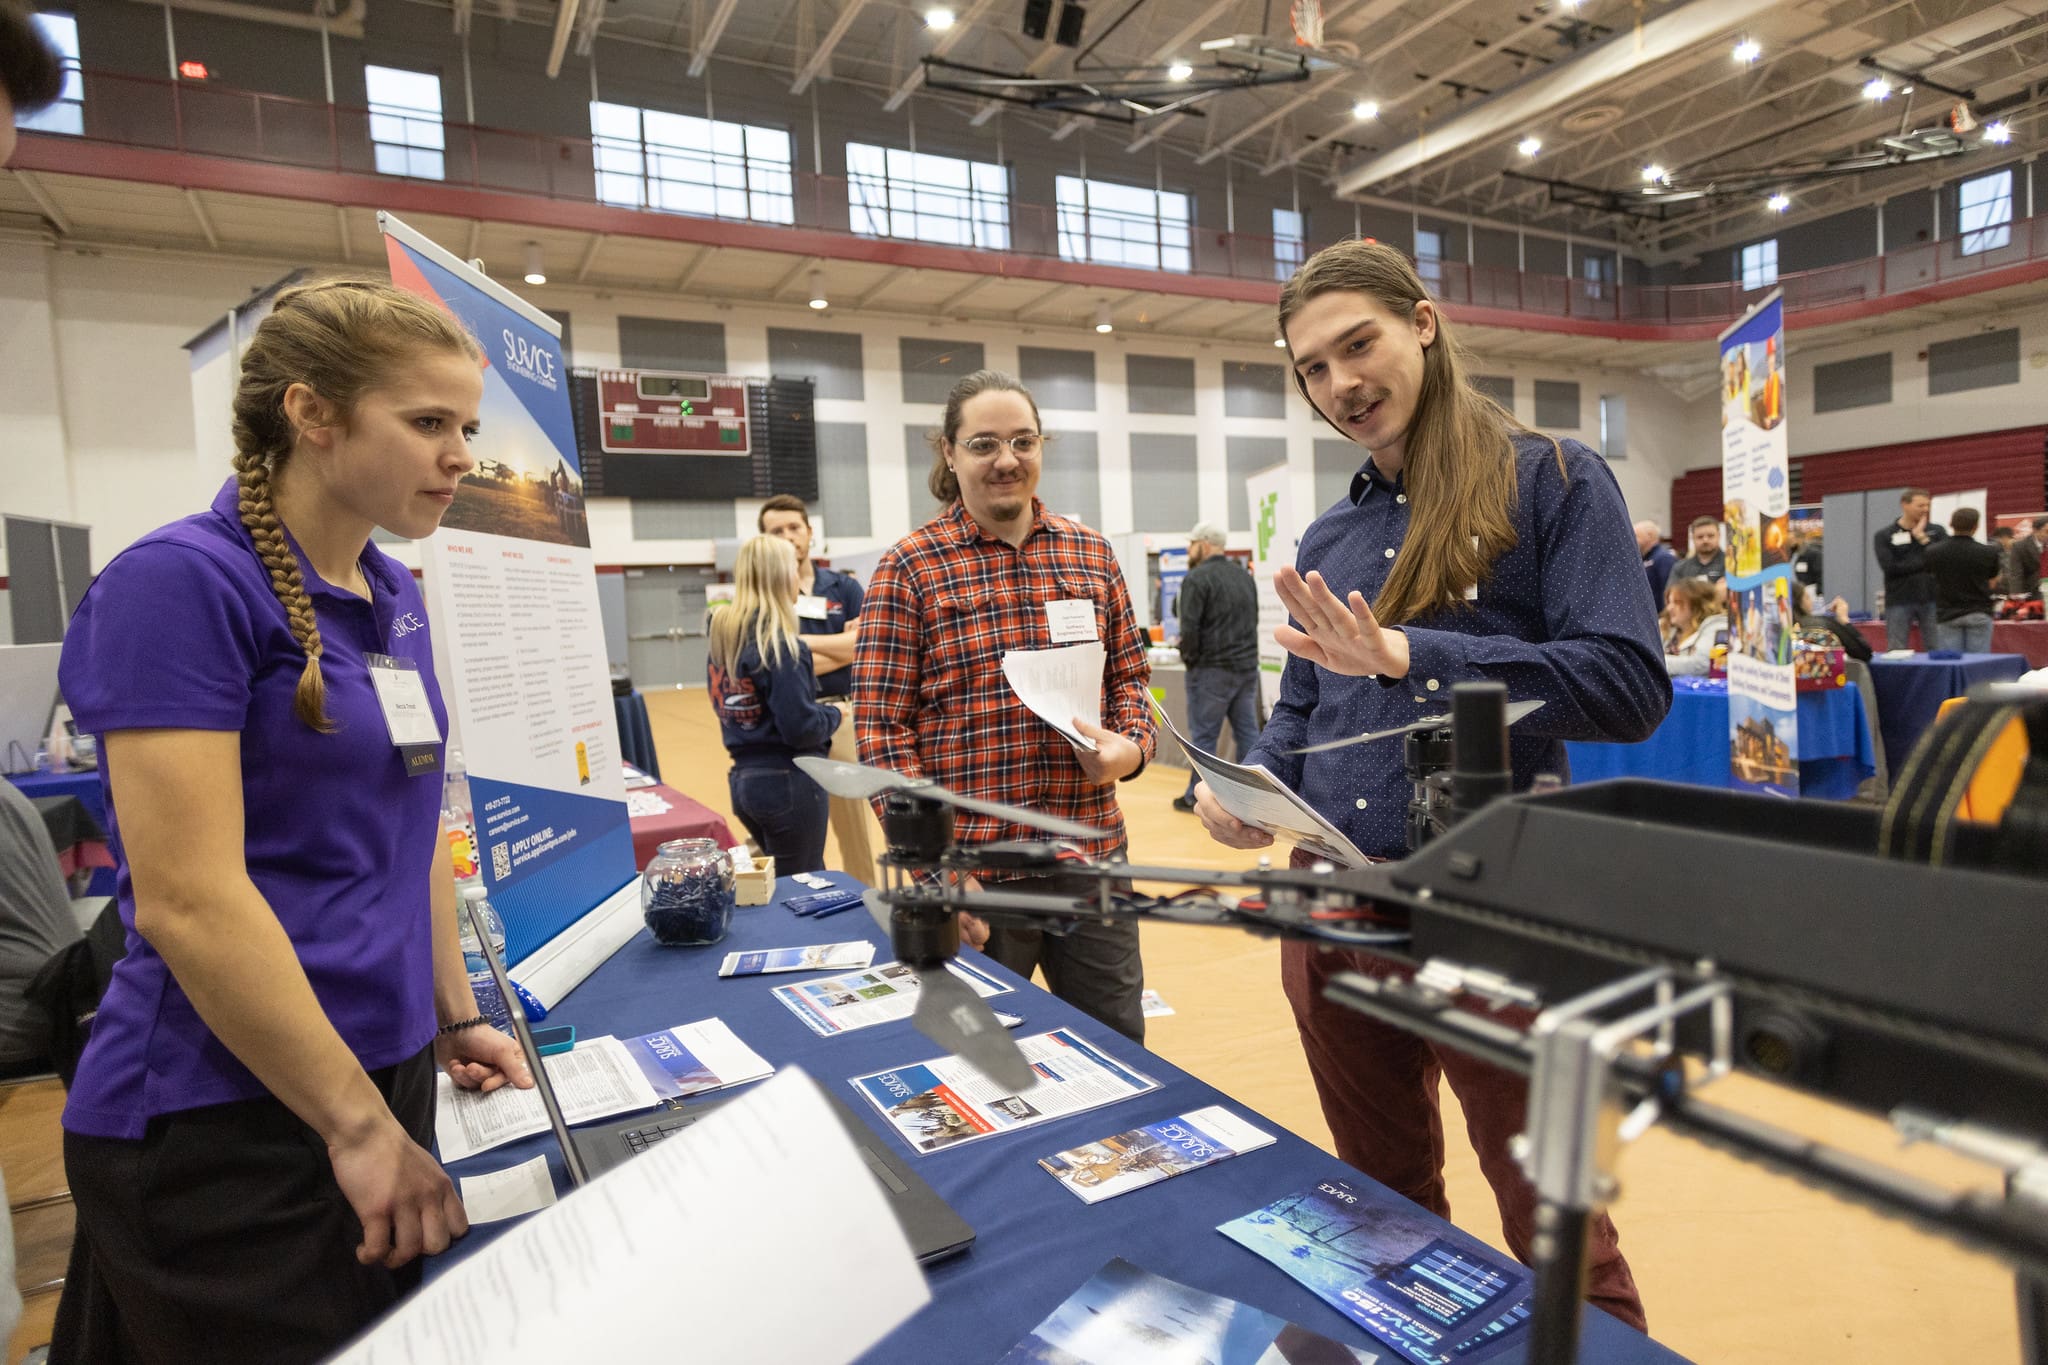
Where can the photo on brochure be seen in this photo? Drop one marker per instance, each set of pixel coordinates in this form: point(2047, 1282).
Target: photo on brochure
point(1144, 1156)
point(1126, 1315)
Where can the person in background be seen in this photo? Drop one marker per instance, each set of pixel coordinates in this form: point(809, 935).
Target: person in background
point(2001, 540)
point(1657, 557)
point(1694, 623)
point(36, 924)
point(997, 571)
point(1218, 609)
point(2023, 569)
point(763, 687)
point(1807, 561)
point(828, 602)
point(1707, 560)
point(1835, 621)
point(1468, 548)
point(247, 1134)
point(1901, 550)
point(1965, 572)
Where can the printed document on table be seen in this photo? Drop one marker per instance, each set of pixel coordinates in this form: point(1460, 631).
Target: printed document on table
point(692, 1058)
point(709, 1211)
point(594, 1080)
point(1057, 685)
point(1128, 1161)
point(879, 995)
point(945, 1102)
point(1264, 802)
point(496, 1195)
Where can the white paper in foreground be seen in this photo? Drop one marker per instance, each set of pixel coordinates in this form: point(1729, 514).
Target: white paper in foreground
point(595, 1080)
point(683, 1253)
point(1057, 685)
point(1263, 801)
point(496, 1195)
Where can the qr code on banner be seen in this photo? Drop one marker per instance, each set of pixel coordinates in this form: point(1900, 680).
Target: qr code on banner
point(501, 861)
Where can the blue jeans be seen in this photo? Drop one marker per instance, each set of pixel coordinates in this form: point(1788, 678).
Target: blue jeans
point(1898, 622)
point(1216, 694)
point(1967, 634)
point(785, 812)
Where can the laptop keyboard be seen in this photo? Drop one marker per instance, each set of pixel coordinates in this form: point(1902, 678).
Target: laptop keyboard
point(640, 1139)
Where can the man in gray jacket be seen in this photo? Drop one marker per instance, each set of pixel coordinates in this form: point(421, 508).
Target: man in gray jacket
point(1218, 608)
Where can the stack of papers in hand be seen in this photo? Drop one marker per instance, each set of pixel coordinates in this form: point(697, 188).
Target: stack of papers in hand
point(1058, 685)
point(1263, 801)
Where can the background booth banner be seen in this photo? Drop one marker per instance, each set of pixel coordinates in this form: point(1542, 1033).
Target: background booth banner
point(1275, 536)
point(1763, 719)
point(518, 642)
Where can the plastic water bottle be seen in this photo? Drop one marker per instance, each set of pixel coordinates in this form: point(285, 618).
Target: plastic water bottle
point(458, 818)
point(490, 1001)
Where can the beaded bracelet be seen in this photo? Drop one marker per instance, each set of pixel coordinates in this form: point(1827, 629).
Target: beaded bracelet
point(447, 1029)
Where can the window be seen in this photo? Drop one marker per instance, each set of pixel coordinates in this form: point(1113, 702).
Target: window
point(1986, 212)
point(67, 115)
point(894, 193)
point(1599, 273)
point(1613, 426)
point(679, 164)
point(1290, 243)
point(1123, 225)
point(1760, 264)
point(405, 122)
point(1429, 258)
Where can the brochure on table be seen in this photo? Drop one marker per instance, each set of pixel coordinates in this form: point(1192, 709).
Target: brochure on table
point(1131, 1160)
point(880, 995)
point(511, 592)
point(945, 1102)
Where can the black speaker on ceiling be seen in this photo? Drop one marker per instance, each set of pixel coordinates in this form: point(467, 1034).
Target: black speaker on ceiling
point(1037, 15)
point(1072, 16)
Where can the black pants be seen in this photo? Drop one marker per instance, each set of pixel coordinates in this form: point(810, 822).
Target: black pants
point(1095, 968)
point(786, 814)
point(221, 1236)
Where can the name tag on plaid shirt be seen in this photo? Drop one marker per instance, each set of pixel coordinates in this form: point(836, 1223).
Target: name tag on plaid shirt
point(1071, 621)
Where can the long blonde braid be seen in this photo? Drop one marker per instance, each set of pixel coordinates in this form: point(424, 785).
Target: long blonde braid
point(339, 337)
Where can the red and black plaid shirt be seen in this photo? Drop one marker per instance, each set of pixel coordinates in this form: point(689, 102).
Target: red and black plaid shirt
point(945, 603)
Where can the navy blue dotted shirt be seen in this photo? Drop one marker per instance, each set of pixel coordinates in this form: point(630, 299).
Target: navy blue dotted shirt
point(1564, 619)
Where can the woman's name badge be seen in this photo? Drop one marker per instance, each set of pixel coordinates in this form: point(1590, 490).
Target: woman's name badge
point(1071, 620)
point(810, 607)
point(408, 715)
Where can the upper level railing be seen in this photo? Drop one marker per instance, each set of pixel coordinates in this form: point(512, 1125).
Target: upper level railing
point(242, 125)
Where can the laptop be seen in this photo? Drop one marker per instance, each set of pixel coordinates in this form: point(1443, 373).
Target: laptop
point(929, 1223)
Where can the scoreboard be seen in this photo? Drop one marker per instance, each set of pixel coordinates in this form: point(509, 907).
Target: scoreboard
point(671, 412)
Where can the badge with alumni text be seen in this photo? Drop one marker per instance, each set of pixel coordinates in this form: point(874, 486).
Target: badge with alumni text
point(408, 715)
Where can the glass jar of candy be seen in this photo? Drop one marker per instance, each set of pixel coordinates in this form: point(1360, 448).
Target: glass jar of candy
point(686, 893)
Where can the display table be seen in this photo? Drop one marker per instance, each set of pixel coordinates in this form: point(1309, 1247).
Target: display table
point(1037, 1243)
point(1910, 693)
point(1835, 753)
point(85, 786)
point(77, 837)
point(686, 818)
point(2028, 639)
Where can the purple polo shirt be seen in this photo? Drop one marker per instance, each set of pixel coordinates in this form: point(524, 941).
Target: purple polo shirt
point(182, 631)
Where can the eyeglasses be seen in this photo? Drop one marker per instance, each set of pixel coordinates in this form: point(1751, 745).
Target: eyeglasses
point(988, 447)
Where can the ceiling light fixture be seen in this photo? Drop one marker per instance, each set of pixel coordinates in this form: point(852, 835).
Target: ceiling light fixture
point(1530, 145)
point(1653, 173)
point(1179, 71)
point(1281, 342)
point(1748, 50)
point(1877, 88)
point(2000, 132)
point(818, 299)
point(1365, 109)
point(1778, 203)
point(938, 19)
point(1102, 322)
point(536, 268)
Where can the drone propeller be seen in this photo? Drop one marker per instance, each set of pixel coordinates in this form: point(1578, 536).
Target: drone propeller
point(1516, 710)
point(950, 1013)
point(857, 782)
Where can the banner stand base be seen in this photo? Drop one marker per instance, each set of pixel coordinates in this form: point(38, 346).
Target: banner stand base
point(560, 965)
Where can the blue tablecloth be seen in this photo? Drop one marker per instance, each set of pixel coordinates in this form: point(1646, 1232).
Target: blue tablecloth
point(1037, 1243)
point(86, 787)
point(1910, 692)
point(1692, 744)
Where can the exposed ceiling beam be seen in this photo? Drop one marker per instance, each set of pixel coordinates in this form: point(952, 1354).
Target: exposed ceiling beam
point(960, 296)
point(946, 43)
point(1173, 47)
point(565, 24)
point(1155, 130)
point(813, 68)
point(586, 31)
point(883, 285)
point(205, 223)
point(1047, 297)
point(697, 263)
point(713, 31)
point(462, 8)
point(1522, 105)
point(1167, 319)
point(44, 201)
point(1048, 56)
point(806, 263)
point(597, 240)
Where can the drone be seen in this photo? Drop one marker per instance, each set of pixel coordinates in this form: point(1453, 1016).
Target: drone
point(1843, 986)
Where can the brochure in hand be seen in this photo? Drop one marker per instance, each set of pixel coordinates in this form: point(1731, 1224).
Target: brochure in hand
point(1145, 1156)
point(1125, 1314)
point(1429, 1292)
point(862, 999)
point(945, 1102)
point(819, 957)
point(1261, 800)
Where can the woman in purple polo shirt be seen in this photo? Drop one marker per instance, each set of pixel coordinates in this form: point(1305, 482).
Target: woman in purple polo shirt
point(247, 1136)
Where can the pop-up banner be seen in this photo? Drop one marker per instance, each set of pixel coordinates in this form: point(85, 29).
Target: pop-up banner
point(1275, 536)
point(511, 591)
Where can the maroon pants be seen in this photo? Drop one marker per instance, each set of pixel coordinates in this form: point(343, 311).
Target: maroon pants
point(1377, 1084)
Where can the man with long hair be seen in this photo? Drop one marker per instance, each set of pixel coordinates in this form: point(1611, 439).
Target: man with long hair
point(1467, 548)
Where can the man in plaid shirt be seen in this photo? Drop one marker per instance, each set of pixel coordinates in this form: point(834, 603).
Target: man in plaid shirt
point(995, 571)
